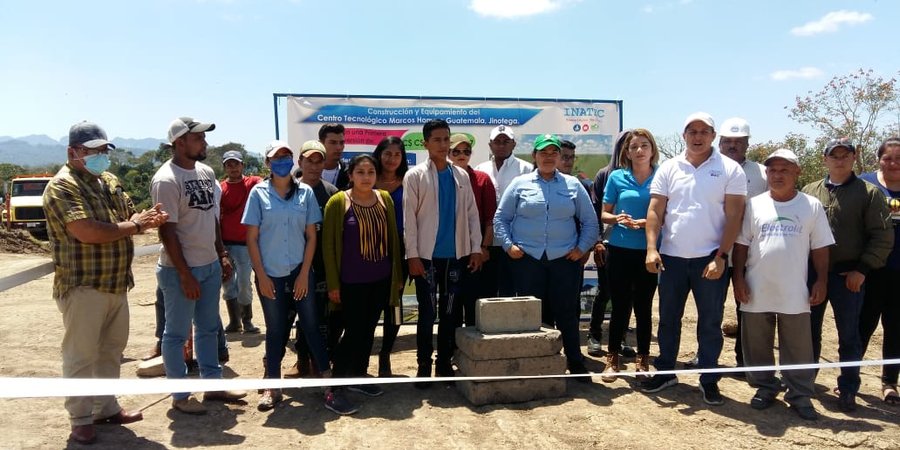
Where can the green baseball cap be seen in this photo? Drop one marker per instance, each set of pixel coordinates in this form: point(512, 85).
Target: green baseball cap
point(546, 140)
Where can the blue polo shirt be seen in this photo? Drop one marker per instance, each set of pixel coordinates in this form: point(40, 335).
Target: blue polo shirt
point(631, 197)
point(539, 216)
point(282, 225)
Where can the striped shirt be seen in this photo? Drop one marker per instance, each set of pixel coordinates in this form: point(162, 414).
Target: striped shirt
point(71, 196)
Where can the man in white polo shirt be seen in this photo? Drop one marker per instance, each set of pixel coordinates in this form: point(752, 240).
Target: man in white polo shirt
point(698, 198)
point(734, 140)
point(502, 168)
point(781, 230)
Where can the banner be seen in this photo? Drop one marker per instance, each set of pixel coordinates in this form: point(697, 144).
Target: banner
point(591, 124)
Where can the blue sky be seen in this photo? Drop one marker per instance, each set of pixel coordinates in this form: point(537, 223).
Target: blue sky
point(133, 66)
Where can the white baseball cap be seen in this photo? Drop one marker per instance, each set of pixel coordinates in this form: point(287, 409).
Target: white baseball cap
point(735, 127)
point(503, 129)
point(274, 146)
point(785, 154)
point(699, 116)
point(184, 125)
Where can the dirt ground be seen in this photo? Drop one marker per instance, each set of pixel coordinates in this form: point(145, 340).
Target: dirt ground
point(597, 415)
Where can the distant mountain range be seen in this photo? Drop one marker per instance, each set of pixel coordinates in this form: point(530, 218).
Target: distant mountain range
point(40, 149)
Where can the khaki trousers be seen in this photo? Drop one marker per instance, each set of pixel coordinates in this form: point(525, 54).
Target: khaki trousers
point(96, 332)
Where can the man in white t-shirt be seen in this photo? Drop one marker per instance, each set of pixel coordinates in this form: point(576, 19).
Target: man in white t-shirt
point(781, 230)
point(331, 135)
point(193, 260)
point(696, 204)
point(502, 168)
point(734, 140)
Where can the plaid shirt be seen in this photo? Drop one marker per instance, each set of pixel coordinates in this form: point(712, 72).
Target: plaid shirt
point(71, 196)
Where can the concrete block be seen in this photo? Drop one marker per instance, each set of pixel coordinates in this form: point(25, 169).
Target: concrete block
point(537, 365)
point(511, 391)
point(151, 368)
point(508, 314)
point(479, 346)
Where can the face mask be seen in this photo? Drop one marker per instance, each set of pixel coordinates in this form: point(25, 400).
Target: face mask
point(96, 164)
point(282, 167)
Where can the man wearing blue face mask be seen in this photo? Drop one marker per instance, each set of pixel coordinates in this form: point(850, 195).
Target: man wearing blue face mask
point(90, 221)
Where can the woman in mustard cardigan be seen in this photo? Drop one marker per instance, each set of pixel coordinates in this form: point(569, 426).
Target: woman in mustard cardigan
point(362, 256)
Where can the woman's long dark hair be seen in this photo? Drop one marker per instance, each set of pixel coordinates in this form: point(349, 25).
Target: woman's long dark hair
point(382, 146)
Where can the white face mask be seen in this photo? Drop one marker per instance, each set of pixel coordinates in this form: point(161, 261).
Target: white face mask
point(96, 164)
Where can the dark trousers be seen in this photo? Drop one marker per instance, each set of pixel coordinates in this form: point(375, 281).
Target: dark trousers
point(598, 311)
point(882, 301)
point(300, 345)
point(476, 285)
point(846, 307)
point(502, 267)
point(683, 275)
point(279, 315)
point(362, 304)
point(555, 282)
point(437, 296)
point(631, 287)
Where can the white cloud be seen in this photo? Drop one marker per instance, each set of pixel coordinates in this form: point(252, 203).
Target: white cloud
point(664, 6)
point(831, 22)
point(647, 9)
point(803, 73)
point(514, 9)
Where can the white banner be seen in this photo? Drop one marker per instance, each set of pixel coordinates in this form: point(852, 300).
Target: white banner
point(591, 124)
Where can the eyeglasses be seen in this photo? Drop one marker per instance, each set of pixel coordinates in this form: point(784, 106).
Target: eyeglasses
point(456, 152)
point(94, 151)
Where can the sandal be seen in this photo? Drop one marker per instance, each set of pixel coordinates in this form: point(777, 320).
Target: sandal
point(890, 394)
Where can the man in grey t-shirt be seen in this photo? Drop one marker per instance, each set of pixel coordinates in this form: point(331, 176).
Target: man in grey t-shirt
point(193, 261)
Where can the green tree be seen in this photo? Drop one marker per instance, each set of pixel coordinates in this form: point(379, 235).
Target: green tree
point(811, 160)
point(860, 105)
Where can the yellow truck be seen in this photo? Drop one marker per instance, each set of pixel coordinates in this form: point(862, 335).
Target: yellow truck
point(24, 203)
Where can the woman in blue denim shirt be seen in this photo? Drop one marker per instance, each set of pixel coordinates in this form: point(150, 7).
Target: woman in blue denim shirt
point(536, 224)
point(281, 218)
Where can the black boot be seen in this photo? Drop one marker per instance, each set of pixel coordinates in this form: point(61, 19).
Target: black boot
point(234, 316)
point(246, 316)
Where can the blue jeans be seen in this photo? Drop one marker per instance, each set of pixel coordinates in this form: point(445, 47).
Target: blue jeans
point(846, 306)
point(182, 312)
point(238, 286)
point(160, 308)
point(279, 320)
point(555, 282)
point(683, 275)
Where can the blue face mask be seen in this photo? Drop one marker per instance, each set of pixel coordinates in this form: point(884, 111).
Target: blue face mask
point(282, 167)
point(96, 164)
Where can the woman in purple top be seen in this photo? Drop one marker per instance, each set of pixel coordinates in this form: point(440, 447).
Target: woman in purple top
point(391, 165)
point(361, 248)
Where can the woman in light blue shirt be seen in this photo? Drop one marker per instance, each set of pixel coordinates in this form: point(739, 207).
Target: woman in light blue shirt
point(545, 222)
point(281, 217)
point(630, 285)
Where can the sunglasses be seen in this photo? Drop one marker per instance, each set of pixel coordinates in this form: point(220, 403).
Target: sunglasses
point(456, 152)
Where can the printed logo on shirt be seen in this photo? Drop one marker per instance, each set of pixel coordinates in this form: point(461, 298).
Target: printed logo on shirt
point(781, 226)
point(715, 173)
point(200, 194)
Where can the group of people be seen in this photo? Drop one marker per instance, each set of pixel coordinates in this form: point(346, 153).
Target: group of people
point(332, 243)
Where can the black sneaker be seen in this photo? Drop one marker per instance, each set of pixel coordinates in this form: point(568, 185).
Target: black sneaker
point(371, 390)
point(579, 369)
point(711, 395)
point(760, 401)
point(423, 372)
point(627, 352)
point(657, 383)
point(338, 404)
point(806, 412)
point(444, 369)
point(847, 401)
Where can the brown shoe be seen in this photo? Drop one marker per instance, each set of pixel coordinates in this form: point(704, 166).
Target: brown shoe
point(83, 434)
point(121, 418)
point(642, 364)
point(293, 372)
point(224, 396)
point(612, 368)
point(189, 405)
point(153, 352)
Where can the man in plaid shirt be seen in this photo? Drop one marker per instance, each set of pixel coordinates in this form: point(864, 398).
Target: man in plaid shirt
point(90, 221)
